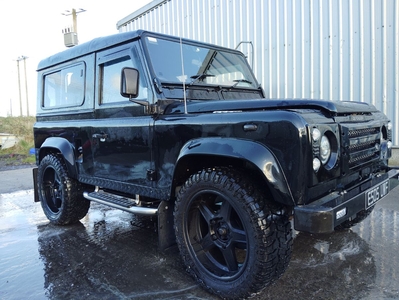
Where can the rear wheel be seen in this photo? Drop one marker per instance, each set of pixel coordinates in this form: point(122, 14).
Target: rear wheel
point(61, 197)
point(230, 240)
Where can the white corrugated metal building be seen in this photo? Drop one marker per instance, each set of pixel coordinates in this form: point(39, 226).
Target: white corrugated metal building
point(320, 49)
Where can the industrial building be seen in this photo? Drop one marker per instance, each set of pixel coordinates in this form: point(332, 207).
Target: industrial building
point(327, 49)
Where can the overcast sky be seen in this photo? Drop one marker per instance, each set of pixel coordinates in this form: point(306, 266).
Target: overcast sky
point(34, 29)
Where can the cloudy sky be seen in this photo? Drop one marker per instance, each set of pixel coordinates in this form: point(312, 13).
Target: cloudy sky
point(34, 29)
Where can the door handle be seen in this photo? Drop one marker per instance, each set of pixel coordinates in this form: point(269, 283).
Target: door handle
point(101, 136)
point(250, 127)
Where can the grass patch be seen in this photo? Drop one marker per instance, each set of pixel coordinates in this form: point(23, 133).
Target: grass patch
point(21, 127)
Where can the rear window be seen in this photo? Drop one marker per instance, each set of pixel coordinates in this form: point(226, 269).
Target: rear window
point(65, 87)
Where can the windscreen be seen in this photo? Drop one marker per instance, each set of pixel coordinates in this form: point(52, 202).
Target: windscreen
point(202, 66)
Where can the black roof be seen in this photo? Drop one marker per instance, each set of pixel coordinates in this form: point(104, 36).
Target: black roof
point(101, 43)
point(89, 47)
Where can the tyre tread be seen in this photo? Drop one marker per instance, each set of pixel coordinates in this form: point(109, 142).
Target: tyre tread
point(273, 233)
point(74, 206)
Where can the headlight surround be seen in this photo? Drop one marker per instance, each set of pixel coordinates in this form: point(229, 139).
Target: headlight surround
point(325, 149)
point(325, 145)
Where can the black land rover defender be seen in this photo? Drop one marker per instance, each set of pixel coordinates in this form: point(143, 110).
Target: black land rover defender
point(156, 125)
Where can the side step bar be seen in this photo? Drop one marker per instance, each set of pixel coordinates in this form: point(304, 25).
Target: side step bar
point(119, 202)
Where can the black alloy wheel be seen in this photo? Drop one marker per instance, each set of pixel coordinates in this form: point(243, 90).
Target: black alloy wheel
point(227, 241)
point(61, 197)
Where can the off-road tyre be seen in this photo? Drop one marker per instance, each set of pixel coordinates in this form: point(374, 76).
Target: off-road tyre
point(61, 197)
point(359, 218)
point(232, 241)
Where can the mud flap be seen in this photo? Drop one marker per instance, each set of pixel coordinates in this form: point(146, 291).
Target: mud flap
point(36, 193)
point(166, 232)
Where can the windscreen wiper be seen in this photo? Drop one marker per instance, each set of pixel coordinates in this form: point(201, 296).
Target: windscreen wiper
point(199, 77)
point(237, 81)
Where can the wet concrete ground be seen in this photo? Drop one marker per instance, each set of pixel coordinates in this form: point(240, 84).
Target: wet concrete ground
point(113, 255)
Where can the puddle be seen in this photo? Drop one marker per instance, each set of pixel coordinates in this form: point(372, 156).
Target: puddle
point(113, 255)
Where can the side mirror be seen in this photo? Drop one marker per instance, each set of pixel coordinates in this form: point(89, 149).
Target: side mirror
point(129, 83)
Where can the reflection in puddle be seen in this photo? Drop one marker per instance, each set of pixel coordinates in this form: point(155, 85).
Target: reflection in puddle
point(332, 266)
point(348, 249)
point(107, 256)
point(21, 270)
point(112, 254)
point(322, 246)
point(381, 232)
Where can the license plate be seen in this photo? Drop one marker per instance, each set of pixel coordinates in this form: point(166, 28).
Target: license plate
point(376, 193)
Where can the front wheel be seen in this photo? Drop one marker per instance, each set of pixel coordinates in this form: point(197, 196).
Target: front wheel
point(230, 239)
point(61, 197)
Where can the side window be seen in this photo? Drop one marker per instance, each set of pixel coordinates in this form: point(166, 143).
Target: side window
point(65, 87)
point(111, 78)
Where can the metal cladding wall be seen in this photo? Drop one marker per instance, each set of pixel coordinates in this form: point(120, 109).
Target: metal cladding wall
point(319, 49)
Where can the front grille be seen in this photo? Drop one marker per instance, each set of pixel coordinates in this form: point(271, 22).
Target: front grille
point(363, 132)
point(358, 158)
point(361, 145)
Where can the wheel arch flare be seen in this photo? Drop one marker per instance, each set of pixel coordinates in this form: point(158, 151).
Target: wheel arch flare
point(258, 155)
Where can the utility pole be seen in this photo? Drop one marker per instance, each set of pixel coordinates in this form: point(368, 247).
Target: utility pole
point(74, 18)
point(19, 89)
point(26, 85)
point(71, 34)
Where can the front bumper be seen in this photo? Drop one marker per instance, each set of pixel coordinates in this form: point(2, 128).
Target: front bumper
point(321, 216)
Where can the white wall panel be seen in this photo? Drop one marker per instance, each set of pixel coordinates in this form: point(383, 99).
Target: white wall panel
point(319, 49)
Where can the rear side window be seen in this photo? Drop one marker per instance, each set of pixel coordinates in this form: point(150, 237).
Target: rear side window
point(65, 87)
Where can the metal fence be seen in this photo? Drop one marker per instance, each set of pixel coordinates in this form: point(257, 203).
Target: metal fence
point(319, 49)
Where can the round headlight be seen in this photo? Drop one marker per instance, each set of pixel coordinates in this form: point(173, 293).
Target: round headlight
point(316, 134)
point(325, 149)
point(316, 164)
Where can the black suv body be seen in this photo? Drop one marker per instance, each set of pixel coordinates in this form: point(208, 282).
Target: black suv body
point(158, 125)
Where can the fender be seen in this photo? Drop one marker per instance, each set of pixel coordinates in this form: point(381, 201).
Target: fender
point(65, 148)
point(256, 153)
